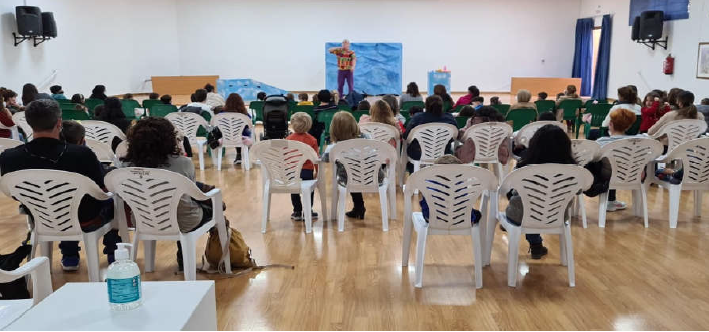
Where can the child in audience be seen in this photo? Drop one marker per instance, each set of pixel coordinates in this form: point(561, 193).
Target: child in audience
point(5, 120)
point(626, 100)
point(467, 111)
point(301, 123)
point(440, 90)
point(166, 99)
point(495, 100)
point(128, 96)
point(652, 111)
point(363, 106)
point(261, 96)
point(523, 101)
point(290, 97)
point(154, 96)
point(477, 102)
point(415, 110)
point(316, 99)
point(394, 106)
point(448, 160)
point(466, 152)
point(303, 99)
point(473, 92)
point(73, 132)
point(78, 100)
point(57, 92)
point(686, 110)
point(550, 144)
point(621, 120)
point(701, 108)
point(381, 113)
point(342, 128)
point(542, 96)
point(569, 93)
point(10, 98)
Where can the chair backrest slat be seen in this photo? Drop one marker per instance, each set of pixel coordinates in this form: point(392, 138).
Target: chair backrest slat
point(680, 131)
point(488, 137)
point(527, 132)
point(188, 123)
point(628, 158)
point(102, 131)
point(362, 159)
point(694, 155)
point(282, 160)
point(433, 139)
point(232, 126)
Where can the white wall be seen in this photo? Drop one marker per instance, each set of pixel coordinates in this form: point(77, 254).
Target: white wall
point(119, 43)
point(483, 42)
point(633, 63)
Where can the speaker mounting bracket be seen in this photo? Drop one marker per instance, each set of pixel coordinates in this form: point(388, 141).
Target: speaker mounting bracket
point(20, 39)
point(40, 39)
point(652, 43)
point(36, 40)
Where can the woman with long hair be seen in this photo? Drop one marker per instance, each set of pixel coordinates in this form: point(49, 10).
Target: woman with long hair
point(440, 90)
point(686, 110)
point(99, 92)
point(153, 143)
point(235, 104)
point(113, 113)
point(29, 93)
point(412, 93)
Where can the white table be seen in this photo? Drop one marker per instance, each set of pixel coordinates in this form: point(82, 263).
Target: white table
point(167, 305)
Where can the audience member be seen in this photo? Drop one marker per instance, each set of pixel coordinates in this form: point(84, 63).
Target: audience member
point(569, 93)
point(381, 113)
point(473, 92)
point(198, 105)
point(621, 120)
point(261, 96)
point(546, 116)
point(10, 99)
point(637, 98)
point(542, 96)
point(326, 104)
point(652, 111)
point(213, 99)
point(415, 110)
point(152, 143)
point(523, 100)
point(686, 110)
point(467, 111)
point(440, 91)
point(128, 96)
point(626, 100)
point(495, 100)
point(290, 97)
point(477, 102)
point(5, 120)
point(363, 105)
point(394, 106)
point(301, 123)
point(99, 92)
point(57, 92)
point(154, 96)
point(448, 159)
point(78, 100)
point(235, 104)
point(166, 99)
point(29, 93)
point(73, 133)
point(466, 152)
point(47, 151)
point(672, 98)
point(303, 99)
point(411, 94)
point(113, 114)
point(701, 108)
point(433, 113)
point(98, 110)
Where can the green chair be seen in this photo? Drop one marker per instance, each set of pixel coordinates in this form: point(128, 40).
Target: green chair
point(459, 108)
point(148, 103)
point(69, 112)
point(591, 101)
point(257, 106)
point(302, 108)
point(461, 121)
point(570, 106)
point(63, 101)
point(598, 114)
point(326, 118)
point(407, 105)
point(521, 117)
point(91, 103)
point(545, 106)
point(344, 107)
point(406, 115)
point(502, 108)
point(358, 114)
point(447, 107)
point(635, 128)
point(129, 106)
point(161, 110)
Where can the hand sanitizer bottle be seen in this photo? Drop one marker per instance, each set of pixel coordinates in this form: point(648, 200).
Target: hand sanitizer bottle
point(123, 279)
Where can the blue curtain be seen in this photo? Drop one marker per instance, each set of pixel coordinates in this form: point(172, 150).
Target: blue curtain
point(583, 55)
point(600, 82)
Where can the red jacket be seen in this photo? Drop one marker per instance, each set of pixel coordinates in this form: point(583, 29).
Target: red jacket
point(6, 121)
point(650, 115)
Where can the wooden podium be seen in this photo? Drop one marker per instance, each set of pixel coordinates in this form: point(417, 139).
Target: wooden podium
point(181, 85)
point(550, 85)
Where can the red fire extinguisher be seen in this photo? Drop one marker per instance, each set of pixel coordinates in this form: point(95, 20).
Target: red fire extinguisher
point(668, 67)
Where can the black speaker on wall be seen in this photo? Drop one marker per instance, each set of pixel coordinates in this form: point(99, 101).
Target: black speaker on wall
point(29, 20)
point(49, 26)
point(651, 23)
point(635, 35)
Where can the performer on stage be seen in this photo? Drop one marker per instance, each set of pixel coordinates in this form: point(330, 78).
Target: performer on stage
point(346, 61)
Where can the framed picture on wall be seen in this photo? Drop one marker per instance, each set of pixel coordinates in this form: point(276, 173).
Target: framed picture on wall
point(703, 61)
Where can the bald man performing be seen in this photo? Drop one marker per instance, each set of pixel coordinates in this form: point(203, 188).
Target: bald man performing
point(346, 61)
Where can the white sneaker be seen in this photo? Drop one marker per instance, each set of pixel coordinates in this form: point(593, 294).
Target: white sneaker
point(615, 206)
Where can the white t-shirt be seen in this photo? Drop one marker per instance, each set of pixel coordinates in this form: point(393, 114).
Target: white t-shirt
point(633, 107)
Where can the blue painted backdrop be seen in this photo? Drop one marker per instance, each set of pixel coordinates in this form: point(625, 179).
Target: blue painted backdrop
point(674, 9)
point(246, 88)
point(378, 69)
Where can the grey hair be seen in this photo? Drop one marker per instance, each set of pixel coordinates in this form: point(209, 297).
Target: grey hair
point(43, 114)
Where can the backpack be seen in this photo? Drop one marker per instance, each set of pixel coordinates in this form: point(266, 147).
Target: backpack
point(239, 251)
point(16, 289)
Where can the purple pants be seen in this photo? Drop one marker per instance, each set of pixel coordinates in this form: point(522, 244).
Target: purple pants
point(343, 75)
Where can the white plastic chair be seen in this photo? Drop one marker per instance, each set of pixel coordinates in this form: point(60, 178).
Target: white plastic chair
point(14, 133)
point(6, 143)
point(522, 136)
point(153, 195)
point(694, 155)
point(680, 131)
point(188, 123)
point(20, 120)
point(488, 138)
point(38, 268)
point(102, 151)
point(546, 191)
point(385, 133)
point(232, 125)
point(102, 131)
point(53, 198)
point(122, 150)
point(281, 163)
point(433, 139)
point(628, 158)
point(362, 159)
point(451, 192)
point(584, 152)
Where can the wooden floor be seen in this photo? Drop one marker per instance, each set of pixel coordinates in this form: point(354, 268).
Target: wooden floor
point(627, 276)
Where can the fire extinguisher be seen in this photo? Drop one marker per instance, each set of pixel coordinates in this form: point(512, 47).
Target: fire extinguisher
point(668, 67)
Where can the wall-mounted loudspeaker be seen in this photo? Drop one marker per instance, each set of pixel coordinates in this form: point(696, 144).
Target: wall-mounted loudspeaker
point(651, 23)
point(29, 20)
point(49, 26)
point(635, 35)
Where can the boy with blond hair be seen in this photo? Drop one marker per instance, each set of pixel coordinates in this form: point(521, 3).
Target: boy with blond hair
point(301, 123)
